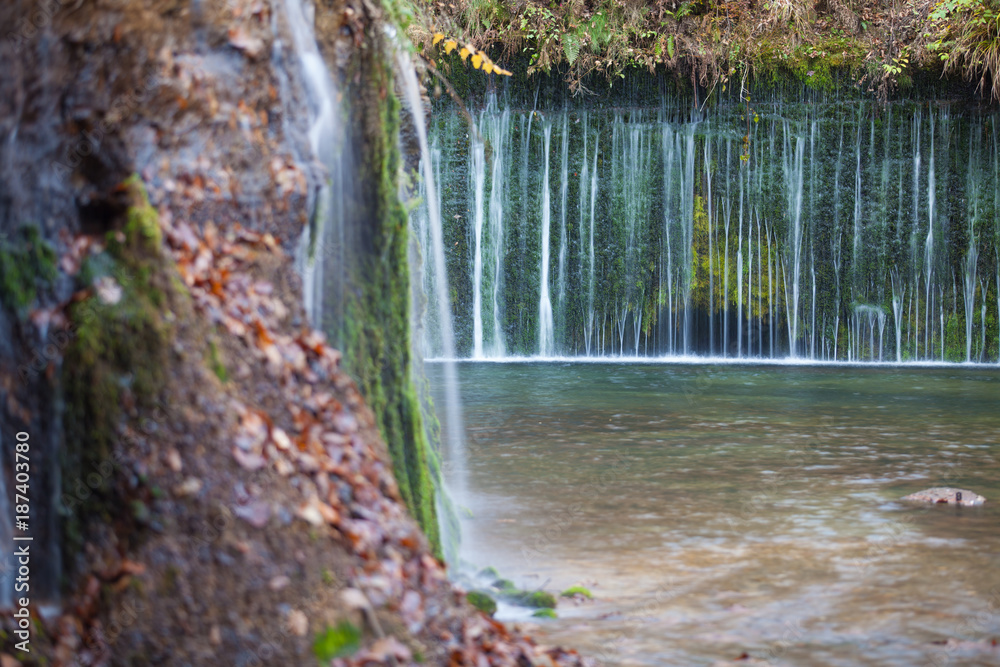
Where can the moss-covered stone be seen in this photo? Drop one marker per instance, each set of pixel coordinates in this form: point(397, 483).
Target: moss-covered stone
point(544, 613)
point(505, 586)
point(573, 591)
point(540, 599)
point(117, 355)
point(537, 599)
point(482, 601)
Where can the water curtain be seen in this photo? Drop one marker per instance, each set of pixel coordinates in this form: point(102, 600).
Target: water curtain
point(837, 231)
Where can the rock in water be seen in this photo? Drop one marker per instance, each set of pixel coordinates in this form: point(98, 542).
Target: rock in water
point(947, 494)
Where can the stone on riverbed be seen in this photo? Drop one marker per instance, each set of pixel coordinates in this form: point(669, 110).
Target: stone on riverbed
point(947, 494)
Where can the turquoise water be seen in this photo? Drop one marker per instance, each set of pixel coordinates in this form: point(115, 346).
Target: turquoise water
point(717, 510)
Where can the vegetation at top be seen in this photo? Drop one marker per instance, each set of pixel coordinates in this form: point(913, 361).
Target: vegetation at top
point(714, 42)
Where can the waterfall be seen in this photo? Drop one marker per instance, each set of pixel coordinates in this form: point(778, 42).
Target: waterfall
point(479, 183)
point(668, 241)
point(325, 141)
point(929, 244)
point(591, 269)
point(498, 133)
point(455, 428)
point(898, 294)
point(545, 323)
point(969, 283)
point(563, 201)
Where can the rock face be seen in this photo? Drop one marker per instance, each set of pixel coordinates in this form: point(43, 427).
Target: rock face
point(947, 494)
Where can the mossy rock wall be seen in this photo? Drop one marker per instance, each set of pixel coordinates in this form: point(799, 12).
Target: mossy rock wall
point(368, 309)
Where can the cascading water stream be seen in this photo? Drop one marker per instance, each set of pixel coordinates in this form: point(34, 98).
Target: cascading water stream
point(546, 333)
point(454, 427)
point(479, 185)
point(324, 136)
point(563, 236)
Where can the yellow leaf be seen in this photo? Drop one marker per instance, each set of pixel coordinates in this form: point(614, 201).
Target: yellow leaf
point(437, 38)
point(450, 45)
point(504, 72)
point(477, 60)
point(464, 53)
point(487, 65)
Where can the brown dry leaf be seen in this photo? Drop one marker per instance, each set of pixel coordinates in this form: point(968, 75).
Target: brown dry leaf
point(263, 337)
point(241, 41)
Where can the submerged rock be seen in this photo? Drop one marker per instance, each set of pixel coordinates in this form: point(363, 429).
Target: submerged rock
point(947, 494)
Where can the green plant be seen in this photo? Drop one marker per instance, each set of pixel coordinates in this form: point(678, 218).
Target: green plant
point(965, 34)
point(896, 66)
point(337, 642)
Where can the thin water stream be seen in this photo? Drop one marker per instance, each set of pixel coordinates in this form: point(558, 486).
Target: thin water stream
point(720, 509)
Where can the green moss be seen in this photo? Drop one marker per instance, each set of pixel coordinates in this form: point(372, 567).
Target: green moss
point(576, 590)
point(544, 613)
point(118, 350)
point(215, 362)
point(506, 586)
point(27, 264)
point(483, 602)
point(373, 327)
point(539, 599)
point(489, 572)
point(142, 222)
point(338, 642)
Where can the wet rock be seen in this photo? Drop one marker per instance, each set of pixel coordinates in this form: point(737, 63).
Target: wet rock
point(947, 495)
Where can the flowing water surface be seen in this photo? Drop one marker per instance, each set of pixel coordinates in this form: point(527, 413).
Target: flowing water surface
point(717, 510)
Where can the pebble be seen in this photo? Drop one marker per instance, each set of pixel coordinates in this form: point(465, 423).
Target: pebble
point(257, 514)
point(188, 487)
point(298, 623)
